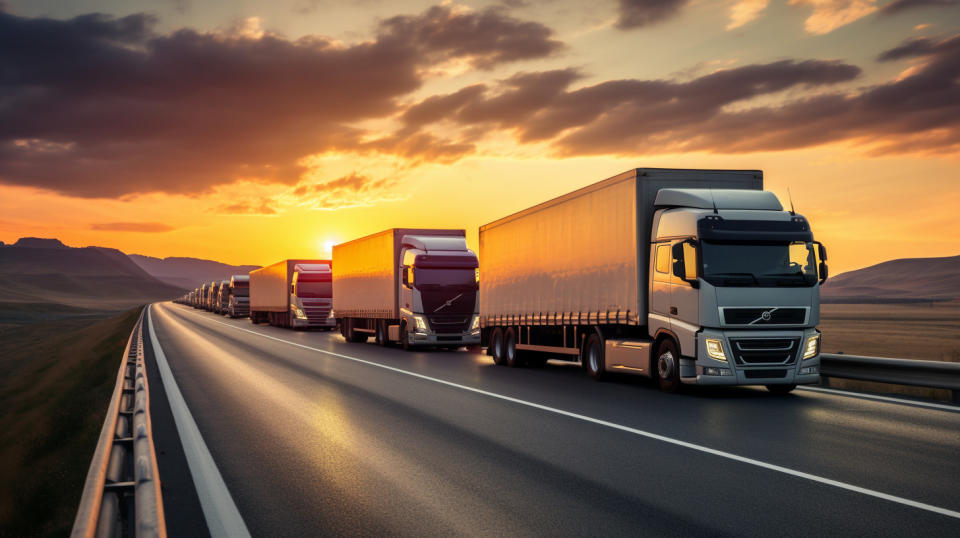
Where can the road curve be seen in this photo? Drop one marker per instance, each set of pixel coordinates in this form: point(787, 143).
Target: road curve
point(313, 435)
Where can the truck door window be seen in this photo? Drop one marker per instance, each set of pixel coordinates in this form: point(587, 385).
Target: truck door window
point(663, 259)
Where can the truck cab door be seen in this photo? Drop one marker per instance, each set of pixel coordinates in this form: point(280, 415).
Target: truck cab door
point(684, 294)
point(659, 315)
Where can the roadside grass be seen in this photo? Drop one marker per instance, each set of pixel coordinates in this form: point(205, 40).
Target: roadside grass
point(57, 379)
point(926, 331)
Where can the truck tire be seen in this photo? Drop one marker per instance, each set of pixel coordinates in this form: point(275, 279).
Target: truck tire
point(781, 389)
point(496, 346)
point(511, 356)
point(667, 365)
point(593, 357)
point(354, 336)
point(405, 337)
point(381, 337)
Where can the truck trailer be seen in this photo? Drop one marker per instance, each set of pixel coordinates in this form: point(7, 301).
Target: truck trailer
point(414, 286)
point(688, 276)
point(293, 293)
point(239, 303)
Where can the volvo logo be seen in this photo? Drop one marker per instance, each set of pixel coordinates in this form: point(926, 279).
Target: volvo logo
point(766, 315)
point(448, 303)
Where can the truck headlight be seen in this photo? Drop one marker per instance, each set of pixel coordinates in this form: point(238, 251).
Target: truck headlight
point(420, 322)
point(812, 348)
point(715, 349)
point(298, 312)
point(475, 323)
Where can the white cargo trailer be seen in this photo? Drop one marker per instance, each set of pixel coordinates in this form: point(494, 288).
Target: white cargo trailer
point(414, 286)
point(612, 275)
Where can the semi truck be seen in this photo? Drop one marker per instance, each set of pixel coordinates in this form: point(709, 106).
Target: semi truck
point(209, 302)
point(201, 296)
point(416, 287)
point(222, 301)
point(692, 277)
point(239, 303)
point(293, 293)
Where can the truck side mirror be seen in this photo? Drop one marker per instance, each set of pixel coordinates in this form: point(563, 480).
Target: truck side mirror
point(822, 251)
point(823, 272)
point(293, 289)
point(406, 276)
point(685, 262)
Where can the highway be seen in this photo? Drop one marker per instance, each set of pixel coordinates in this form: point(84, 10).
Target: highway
point(312, 435)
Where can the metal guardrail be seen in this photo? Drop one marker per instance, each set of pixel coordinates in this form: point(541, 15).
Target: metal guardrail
point(918, 373)
point(121, 496)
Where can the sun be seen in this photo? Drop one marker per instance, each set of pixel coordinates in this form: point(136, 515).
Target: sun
point(326, 247)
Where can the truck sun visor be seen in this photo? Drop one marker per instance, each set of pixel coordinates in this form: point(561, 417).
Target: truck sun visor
point(714, 228)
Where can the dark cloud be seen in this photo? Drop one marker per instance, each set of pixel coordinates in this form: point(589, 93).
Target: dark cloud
point(638, 13)
point(487, 38)
point(899, 6)
point(262, 207)
point(99, 106)
point(718, 112)
point(920, 46)
point(351, 190)
point(144, 227)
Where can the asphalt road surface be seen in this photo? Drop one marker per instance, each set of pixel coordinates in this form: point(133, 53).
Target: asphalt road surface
point(304, 434)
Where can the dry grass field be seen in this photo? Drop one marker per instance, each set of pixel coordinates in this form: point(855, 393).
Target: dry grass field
point(56, 382)
point(928, 331)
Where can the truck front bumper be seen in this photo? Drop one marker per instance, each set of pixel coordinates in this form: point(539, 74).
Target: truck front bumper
point(321, 323)
point(742, 369)
point(434, 339)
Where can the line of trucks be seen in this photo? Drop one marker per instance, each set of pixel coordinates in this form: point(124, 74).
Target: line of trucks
point(696, 277)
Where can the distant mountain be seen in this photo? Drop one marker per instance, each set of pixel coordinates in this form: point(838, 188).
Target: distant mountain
point(189, 273)
point(904, 280)
point(34, 270)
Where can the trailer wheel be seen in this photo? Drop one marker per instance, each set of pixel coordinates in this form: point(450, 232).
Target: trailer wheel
point(510, 355)
point(668, 365)
point(781, 389)
point(593, 357)
point(405, 337)
point(381, 337)
point(496, 346)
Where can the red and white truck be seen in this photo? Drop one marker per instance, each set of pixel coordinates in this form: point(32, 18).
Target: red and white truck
point(293, 293)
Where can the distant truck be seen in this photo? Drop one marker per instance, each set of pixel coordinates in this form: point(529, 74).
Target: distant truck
point(412, 286)
point(687, 276)
point(210, 301)
point(201, 296)
point(222, 302)
point(239, 303)
point(294, 294)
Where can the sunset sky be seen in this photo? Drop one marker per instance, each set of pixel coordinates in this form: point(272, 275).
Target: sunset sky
point(249, 132)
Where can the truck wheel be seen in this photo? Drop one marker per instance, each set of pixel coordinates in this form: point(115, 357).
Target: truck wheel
point(496, 346)
point(510, 355)
point(668, 365)
point(405, 338)
point(355, 337)
point(781, 389)
point(593, 357)
point(381, 337)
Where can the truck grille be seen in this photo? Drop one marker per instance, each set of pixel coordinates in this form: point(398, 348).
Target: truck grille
point(755, 316)
point(451, 323)
point(317, 315)
point(765, 350)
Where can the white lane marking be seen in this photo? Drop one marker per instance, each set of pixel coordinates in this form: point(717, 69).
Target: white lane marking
point(223, 518)
point(613, 425)
point(918, 403)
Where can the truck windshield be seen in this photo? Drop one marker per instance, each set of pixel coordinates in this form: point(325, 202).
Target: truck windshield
point(314, 290)
point(445, 278)
point(763, 264)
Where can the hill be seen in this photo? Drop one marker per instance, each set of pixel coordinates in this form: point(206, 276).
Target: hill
point(904, 280)
point(47, 271)
point(188, 272)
